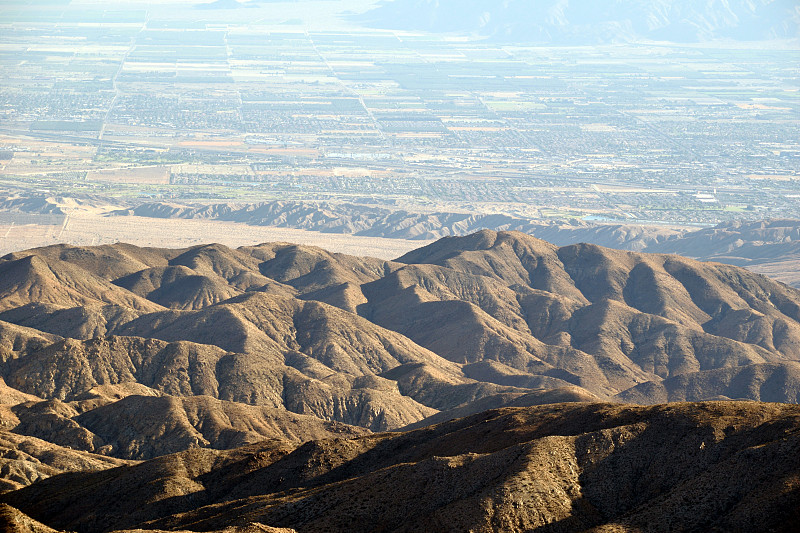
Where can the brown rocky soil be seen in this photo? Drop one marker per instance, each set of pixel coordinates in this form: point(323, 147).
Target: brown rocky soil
point(253, 382)
point(722, 466)
point(460, 325)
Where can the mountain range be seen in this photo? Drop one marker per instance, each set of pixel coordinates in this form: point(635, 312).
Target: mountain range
point(385, 222)
point(113, 355)
point(765, 246)
point(586, 22)
point(384, 344)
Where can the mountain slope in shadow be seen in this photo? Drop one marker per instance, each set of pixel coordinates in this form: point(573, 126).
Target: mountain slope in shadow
point(560, 467)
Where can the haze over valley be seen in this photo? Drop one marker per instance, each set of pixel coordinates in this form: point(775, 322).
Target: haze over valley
point(296, 101)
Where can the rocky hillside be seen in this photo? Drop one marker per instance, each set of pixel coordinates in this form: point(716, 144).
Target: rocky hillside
point(295, 343)
point(381, 344)
point(722, 466)
point(209, 388)
point(469, 317)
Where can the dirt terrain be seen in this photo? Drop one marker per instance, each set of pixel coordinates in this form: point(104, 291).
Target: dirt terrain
point(719, 466)
point(255, 384)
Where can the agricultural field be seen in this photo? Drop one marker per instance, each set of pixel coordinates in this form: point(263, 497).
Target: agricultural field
point(285, 100)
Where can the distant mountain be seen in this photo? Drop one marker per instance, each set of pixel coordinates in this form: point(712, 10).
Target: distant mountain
point(574, 22)
point(771, 247)
point(221, 4)
point(761, 239)
point(367, 221)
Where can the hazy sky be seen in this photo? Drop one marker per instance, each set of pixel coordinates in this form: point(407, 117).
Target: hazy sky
point(312, 14)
